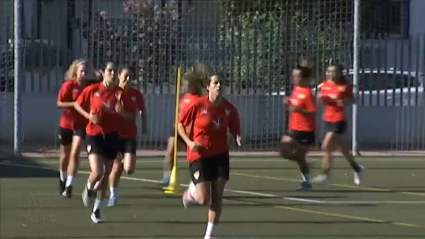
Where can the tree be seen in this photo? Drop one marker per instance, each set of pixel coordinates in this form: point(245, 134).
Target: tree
point(146, 39)
point(264, 38)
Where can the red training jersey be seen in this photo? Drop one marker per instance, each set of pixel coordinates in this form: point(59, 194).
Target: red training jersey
point(210, 124)
point(302, 98)
point(128, 129)
point(70, 118)
point(186, 101)
point(332, 97)
point(101, 101)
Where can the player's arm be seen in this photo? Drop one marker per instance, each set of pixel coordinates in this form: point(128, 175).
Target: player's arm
point(349, 96)
point(84, 100)
point(187, 118)
point(64, 93)
point(309, 108)
point(125, 106)
point(235, 125)
point(143, 113)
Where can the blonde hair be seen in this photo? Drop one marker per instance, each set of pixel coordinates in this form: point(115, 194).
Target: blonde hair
point(72, 70)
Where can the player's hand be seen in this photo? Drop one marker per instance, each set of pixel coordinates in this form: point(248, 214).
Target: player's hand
point(119, 108)
point(239, 140)
point(286, 100)
point(319, 95)
point(293, 109)
point(194, 146)
point(94, 118)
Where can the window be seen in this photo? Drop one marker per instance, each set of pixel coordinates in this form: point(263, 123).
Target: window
point(385, 81)
point(385, 18)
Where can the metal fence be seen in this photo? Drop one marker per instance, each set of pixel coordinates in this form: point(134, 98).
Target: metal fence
point(253, 43)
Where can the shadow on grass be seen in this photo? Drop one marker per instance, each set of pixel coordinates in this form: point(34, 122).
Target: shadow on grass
point(21, 167)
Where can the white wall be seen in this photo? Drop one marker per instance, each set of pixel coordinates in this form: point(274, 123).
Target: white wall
point(262, 121)
point(417, 16)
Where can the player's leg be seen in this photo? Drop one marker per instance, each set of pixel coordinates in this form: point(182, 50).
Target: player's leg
point(217, 190)
point(129, 160)
point(343, 148)
point(94, 151)
point(126, 161)
point(74, 160)
point(114, 178)
point(199, 191)
point(168, 161)
point(328, 146)
point(109, 153)
point(295, 146)
point(65, 138)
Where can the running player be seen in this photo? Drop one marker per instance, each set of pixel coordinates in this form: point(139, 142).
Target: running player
point(295, 145)
point(102, 105)
point(72, 126)
point(126, 159)
point(336, 93)
point(193, 85)
point(207, 121)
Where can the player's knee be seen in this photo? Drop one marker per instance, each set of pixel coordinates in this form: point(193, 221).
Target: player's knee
point(97, 173)
point(204, 200)
point(286, 149)
point(129, 170)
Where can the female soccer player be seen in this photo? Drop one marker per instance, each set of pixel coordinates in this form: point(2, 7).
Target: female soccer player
point(102, 105)
point(336, 93)
point(126, 159)
point(72, 126)
point(208, 119)
point(193, 83)
point(295, 145)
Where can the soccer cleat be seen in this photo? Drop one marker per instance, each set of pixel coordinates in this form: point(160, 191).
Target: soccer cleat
point(68, 192)
point(87, 197)
point(95, 216)
point(112, 201)
point(61, 187)
point(305, 186)
point(187, 199)
point(321, 178)
point(358, 176)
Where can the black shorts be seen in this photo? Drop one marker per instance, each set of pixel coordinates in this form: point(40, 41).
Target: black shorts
point(303, 137)
point(128, 146)
point(106, 146)
point(210, 169)
point(336, 127)
point(65, 135)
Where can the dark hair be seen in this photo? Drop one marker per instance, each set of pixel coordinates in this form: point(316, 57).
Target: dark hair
point(125, 67)
point(340, 70)
point(305, 71)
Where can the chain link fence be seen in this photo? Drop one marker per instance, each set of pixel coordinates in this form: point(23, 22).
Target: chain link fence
point(254, 44)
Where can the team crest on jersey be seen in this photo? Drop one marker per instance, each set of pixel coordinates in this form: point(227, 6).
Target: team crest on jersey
point(186, 101)
point(134, 98)
point(96, 94)
point(342, 88)
point(227, 112)
point(204, 112)
point(301, 96)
